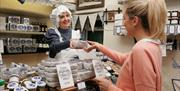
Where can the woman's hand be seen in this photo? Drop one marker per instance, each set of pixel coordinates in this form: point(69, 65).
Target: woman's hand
point(73, 43)
point(103, 83)
point(92, 45)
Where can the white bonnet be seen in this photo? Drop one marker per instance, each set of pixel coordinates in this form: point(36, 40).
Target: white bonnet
point(54, 17)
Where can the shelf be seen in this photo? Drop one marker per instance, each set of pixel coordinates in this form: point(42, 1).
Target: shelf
point(27, 9)
point(21, 32)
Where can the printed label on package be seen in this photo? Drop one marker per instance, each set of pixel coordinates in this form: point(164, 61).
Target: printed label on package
point(98, 68)
point(65, 75)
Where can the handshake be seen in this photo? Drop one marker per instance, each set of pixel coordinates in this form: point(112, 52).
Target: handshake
point(78, 44)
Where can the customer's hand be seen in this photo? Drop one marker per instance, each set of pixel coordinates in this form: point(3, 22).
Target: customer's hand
point(78, 44)
point(103, 83)
point(73, 43)
point(91, 45)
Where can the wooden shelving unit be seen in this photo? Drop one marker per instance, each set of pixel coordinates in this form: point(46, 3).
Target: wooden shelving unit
point(21, 32)
point(27, 9)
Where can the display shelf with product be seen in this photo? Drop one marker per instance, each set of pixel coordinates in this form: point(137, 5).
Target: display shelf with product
point(22, 26)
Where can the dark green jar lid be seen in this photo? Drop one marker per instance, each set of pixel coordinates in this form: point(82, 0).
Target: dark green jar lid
point(2, 82)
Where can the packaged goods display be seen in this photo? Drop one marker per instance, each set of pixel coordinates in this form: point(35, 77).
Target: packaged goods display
point(46, 73)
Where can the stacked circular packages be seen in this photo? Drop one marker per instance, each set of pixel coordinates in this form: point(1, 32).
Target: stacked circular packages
point(47, 69)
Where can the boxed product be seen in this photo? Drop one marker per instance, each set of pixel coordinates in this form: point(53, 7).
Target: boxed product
point(29, 27)
point(11, 26)
point(36, 28)
point(2, 23)
point(14, 19)
point(25, 21)
point(13, 41)
point(29, 48)
point(21, 27)
point(14, 49)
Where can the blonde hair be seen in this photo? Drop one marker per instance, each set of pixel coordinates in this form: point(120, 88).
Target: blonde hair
point(153, 14)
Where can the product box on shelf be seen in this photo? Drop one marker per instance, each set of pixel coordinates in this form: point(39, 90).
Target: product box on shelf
point(13, 19)
point(5, 41)
point(29, 48)
point(11, 26)
point(36, 28)
point(26, 41)
point(2, 23)
point(13, 41)
point(29, 27)
point(14, 49)
point(25, 21)
point(21, 27)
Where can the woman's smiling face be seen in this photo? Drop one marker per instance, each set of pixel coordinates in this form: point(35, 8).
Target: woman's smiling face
point(64, 20)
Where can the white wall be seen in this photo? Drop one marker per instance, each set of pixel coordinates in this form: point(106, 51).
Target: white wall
point(119, 43)
point(173, 4)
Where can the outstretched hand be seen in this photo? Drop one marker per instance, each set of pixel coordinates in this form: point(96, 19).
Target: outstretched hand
point(92, 45)
point(103, 83)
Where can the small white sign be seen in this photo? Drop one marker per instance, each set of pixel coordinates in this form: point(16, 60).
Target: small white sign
point(174, 21)
point(171, 29)
point(119, 16)
point(175, 14)
point(178, 29)
point(163, 50)
point(118, 23)
point(98, 68)
point(81, 85)
point(1, 46)
point(65, 75)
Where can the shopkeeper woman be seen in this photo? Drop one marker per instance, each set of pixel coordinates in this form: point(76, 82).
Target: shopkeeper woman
point(141, 67)
point(59, 36)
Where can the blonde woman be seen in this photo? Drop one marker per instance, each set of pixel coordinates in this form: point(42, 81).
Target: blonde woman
point(141, 67)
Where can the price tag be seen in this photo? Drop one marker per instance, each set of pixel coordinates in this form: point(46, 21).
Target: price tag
point(1, 46)
point(81, 85)
point(65, 75)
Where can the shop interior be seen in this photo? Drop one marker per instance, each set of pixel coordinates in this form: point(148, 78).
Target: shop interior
point(23, 24)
